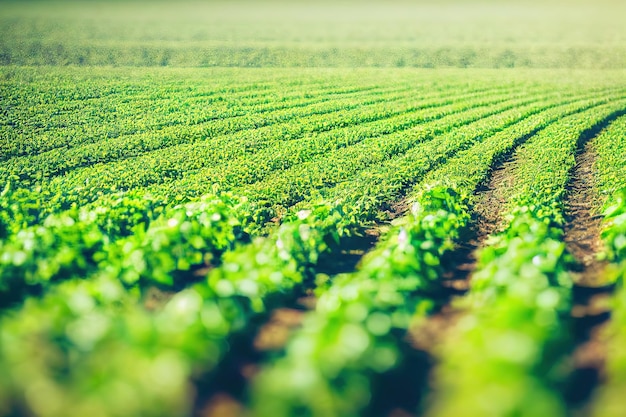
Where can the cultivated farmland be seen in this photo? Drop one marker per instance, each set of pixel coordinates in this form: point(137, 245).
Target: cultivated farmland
point(404, 220)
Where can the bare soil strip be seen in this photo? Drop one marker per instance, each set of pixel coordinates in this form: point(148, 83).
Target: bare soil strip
point(591, 292)
point(489, 201)
point(582, 231)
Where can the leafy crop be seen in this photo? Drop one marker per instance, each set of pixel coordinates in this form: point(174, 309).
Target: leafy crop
point(353, 333)
point(152, 222)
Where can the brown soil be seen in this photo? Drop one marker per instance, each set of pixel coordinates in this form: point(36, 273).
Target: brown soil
point(399, 208)
point(582, 232)
point(591, 293)
point(429, 332)
point(275, 333)
point(490, 199)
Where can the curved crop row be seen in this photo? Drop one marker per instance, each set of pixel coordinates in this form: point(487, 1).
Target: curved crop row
point(302, 173)
point(111, 104)
point(164, 166)
point(108, 104)
point(353, 333)
point(113, 347)
point(324, 374)
point(610, 148)
point(116, 146)
point(518, 306)
point(384, 182)
point(167, 110)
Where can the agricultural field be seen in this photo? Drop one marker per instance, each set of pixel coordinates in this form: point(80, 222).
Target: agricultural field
point(287, 209)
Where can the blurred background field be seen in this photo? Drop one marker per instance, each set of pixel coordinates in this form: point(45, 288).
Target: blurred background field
point(347, 33)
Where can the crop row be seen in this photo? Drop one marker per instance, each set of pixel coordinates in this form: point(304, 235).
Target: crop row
point(86, 127)
point(324, 370)
point(233, 263)
point(356, 330)
point(113, 346)
point(609, 166)
point(507, 355)
point(310, 119)
point(385, 179)
point(160, 166)
point(319, 162)
point(112, 146)
point(385, 182)
point(118, 306)
point(39, 118)
point(421, 148)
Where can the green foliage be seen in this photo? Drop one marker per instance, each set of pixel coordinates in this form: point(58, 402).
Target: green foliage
point(183, 241)
point(122, 241)
point(508, 356)
point(90, 348)
point(280, 264)
point(515, 335)
point(352, 334)
point(106, 172)
point(614, 233)
point(63, 247)
point(99, 340)
point(610, 397)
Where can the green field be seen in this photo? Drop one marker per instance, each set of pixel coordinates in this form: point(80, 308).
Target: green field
point(286, 209)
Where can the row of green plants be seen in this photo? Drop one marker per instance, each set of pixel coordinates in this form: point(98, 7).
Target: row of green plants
point(162, 167)
point(289, 185)
point(40, 120)
point(300, 171)
point(130, 112)
point(119, 306)
point(134, 239)
point(355, 333)
point(237, 261)
point(387, 181)
point(335, 364)
point(609, 398)
point(283, 153)
point(89, 335)
point(508, 354)
point(609, 167)
point(36, 204)
point(112, 145)
point(75, 113)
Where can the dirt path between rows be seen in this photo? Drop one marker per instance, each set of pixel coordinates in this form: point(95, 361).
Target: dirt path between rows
point(489, 201)
point(488, 218)
point(590, 293)
point(582, 231)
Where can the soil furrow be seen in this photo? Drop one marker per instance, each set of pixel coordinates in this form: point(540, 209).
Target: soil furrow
point(590, 293)
point(489, 201)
